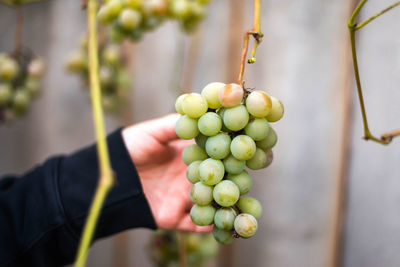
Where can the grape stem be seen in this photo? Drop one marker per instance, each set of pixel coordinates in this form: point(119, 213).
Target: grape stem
point(19, 19)
point(257, 35)
point(106, 174)
point(386, 138)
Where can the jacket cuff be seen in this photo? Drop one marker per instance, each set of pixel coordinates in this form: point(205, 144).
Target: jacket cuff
point(125, 206)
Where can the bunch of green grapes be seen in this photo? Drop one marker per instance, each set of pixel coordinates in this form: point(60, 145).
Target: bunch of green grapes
point(231, 127)
point(20, 75)
point(131, 18)
point(164, 249)
point(113, 74)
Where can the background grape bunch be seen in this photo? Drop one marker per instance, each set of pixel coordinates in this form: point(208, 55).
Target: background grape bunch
point(131, 18)
point(163, 248)
point(20, 74)
point(113, 74)
point(231, 127)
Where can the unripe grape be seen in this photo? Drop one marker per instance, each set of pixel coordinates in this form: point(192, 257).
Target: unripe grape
point(178, 104)
point(223, 236)
point(211, 92)
point(8, 69)
point(33, 86)
point(134, 4)
point(21, 101)
point(186, 127)
point(224, 218)
point(245, 225)
point(114, 8)
point(258, 103)
point(231, 95)
point(36, 68)
point(123, 79)
point(211, 171)
point(116, 34)
point(257, 129)
point(202, 215)
point(201, 194)
point(104, 14)
point(193, 153)
point(221, 113)
point(129, 19)
point(192, 172)
point(236, 118)
point(77, 61)
point(243, 147)
point(268, 142)
point(179, 9)
point(233, 165)
point(193, 242)
point(250, 206)
point(201, 140)
point(5, 94)
point(111, 54)
point(210, 124)
point(277, 110)
point(226, 193)
point(218, 146)
point(242, 181)
point(258, 161)
point(194, 105)
point(209, 248)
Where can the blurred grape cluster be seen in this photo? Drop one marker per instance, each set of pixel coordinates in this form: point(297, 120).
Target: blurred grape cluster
point(20, 74)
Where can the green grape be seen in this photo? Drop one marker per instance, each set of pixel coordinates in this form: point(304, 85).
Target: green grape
point(194, 105)
point(20, 101)
point(5, 94)
point(134, 4)
point(258, 103)
point(245, 225)
point(179, 9)
point(211, 171)
point(226, 193)
point(202, 215)
point(223, 236)
point(233, 165)
point(268, 142)
point(105, 76)
point(250, 206)
point(224, 218)
point(129, 19)
point(243, 147)
point(8, 69)
point(218, 146)
point(221, 113)
point(231, 95)
point(277, 110)
point(123, 79)
point(77, 61)
point(33, 86)
point(192, 172)
point(210, 124)
point(201, 140)
point(36, 68)
point(178, 104)
point(211, 92)
point(204, 2)
point(111, 54)
point(114, 8)
point(197, 11)
point(236, 118)
point(209, 247)
point(242, 181)
point(116, 34)
point(257, 129)
point(258, 161)
point(201, 194)
point(104, 14)
point(193, 153)
point(186, 128)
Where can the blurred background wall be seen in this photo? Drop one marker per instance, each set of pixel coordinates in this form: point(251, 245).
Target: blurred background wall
point(305, 61)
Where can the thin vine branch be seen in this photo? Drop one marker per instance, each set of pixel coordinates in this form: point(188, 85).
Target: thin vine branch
point(353, 27)
point(106, 174)
point(257, 35)
point(18, 30)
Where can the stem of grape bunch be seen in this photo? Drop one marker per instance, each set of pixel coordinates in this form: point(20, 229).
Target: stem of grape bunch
point(257, 35)
point(386, 138)
point(106, 174)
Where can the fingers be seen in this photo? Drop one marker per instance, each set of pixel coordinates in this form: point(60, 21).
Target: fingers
point(163, 129)
point(187, 225)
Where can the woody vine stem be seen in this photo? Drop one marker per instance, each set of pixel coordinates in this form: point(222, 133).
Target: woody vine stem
point(257, 35)
point(106, 174)
point(386, 138)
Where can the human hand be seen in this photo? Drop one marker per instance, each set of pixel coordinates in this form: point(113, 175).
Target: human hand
point(156, 151)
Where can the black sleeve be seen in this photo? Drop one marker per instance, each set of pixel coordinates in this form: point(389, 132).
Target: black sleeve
point(43, 212)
